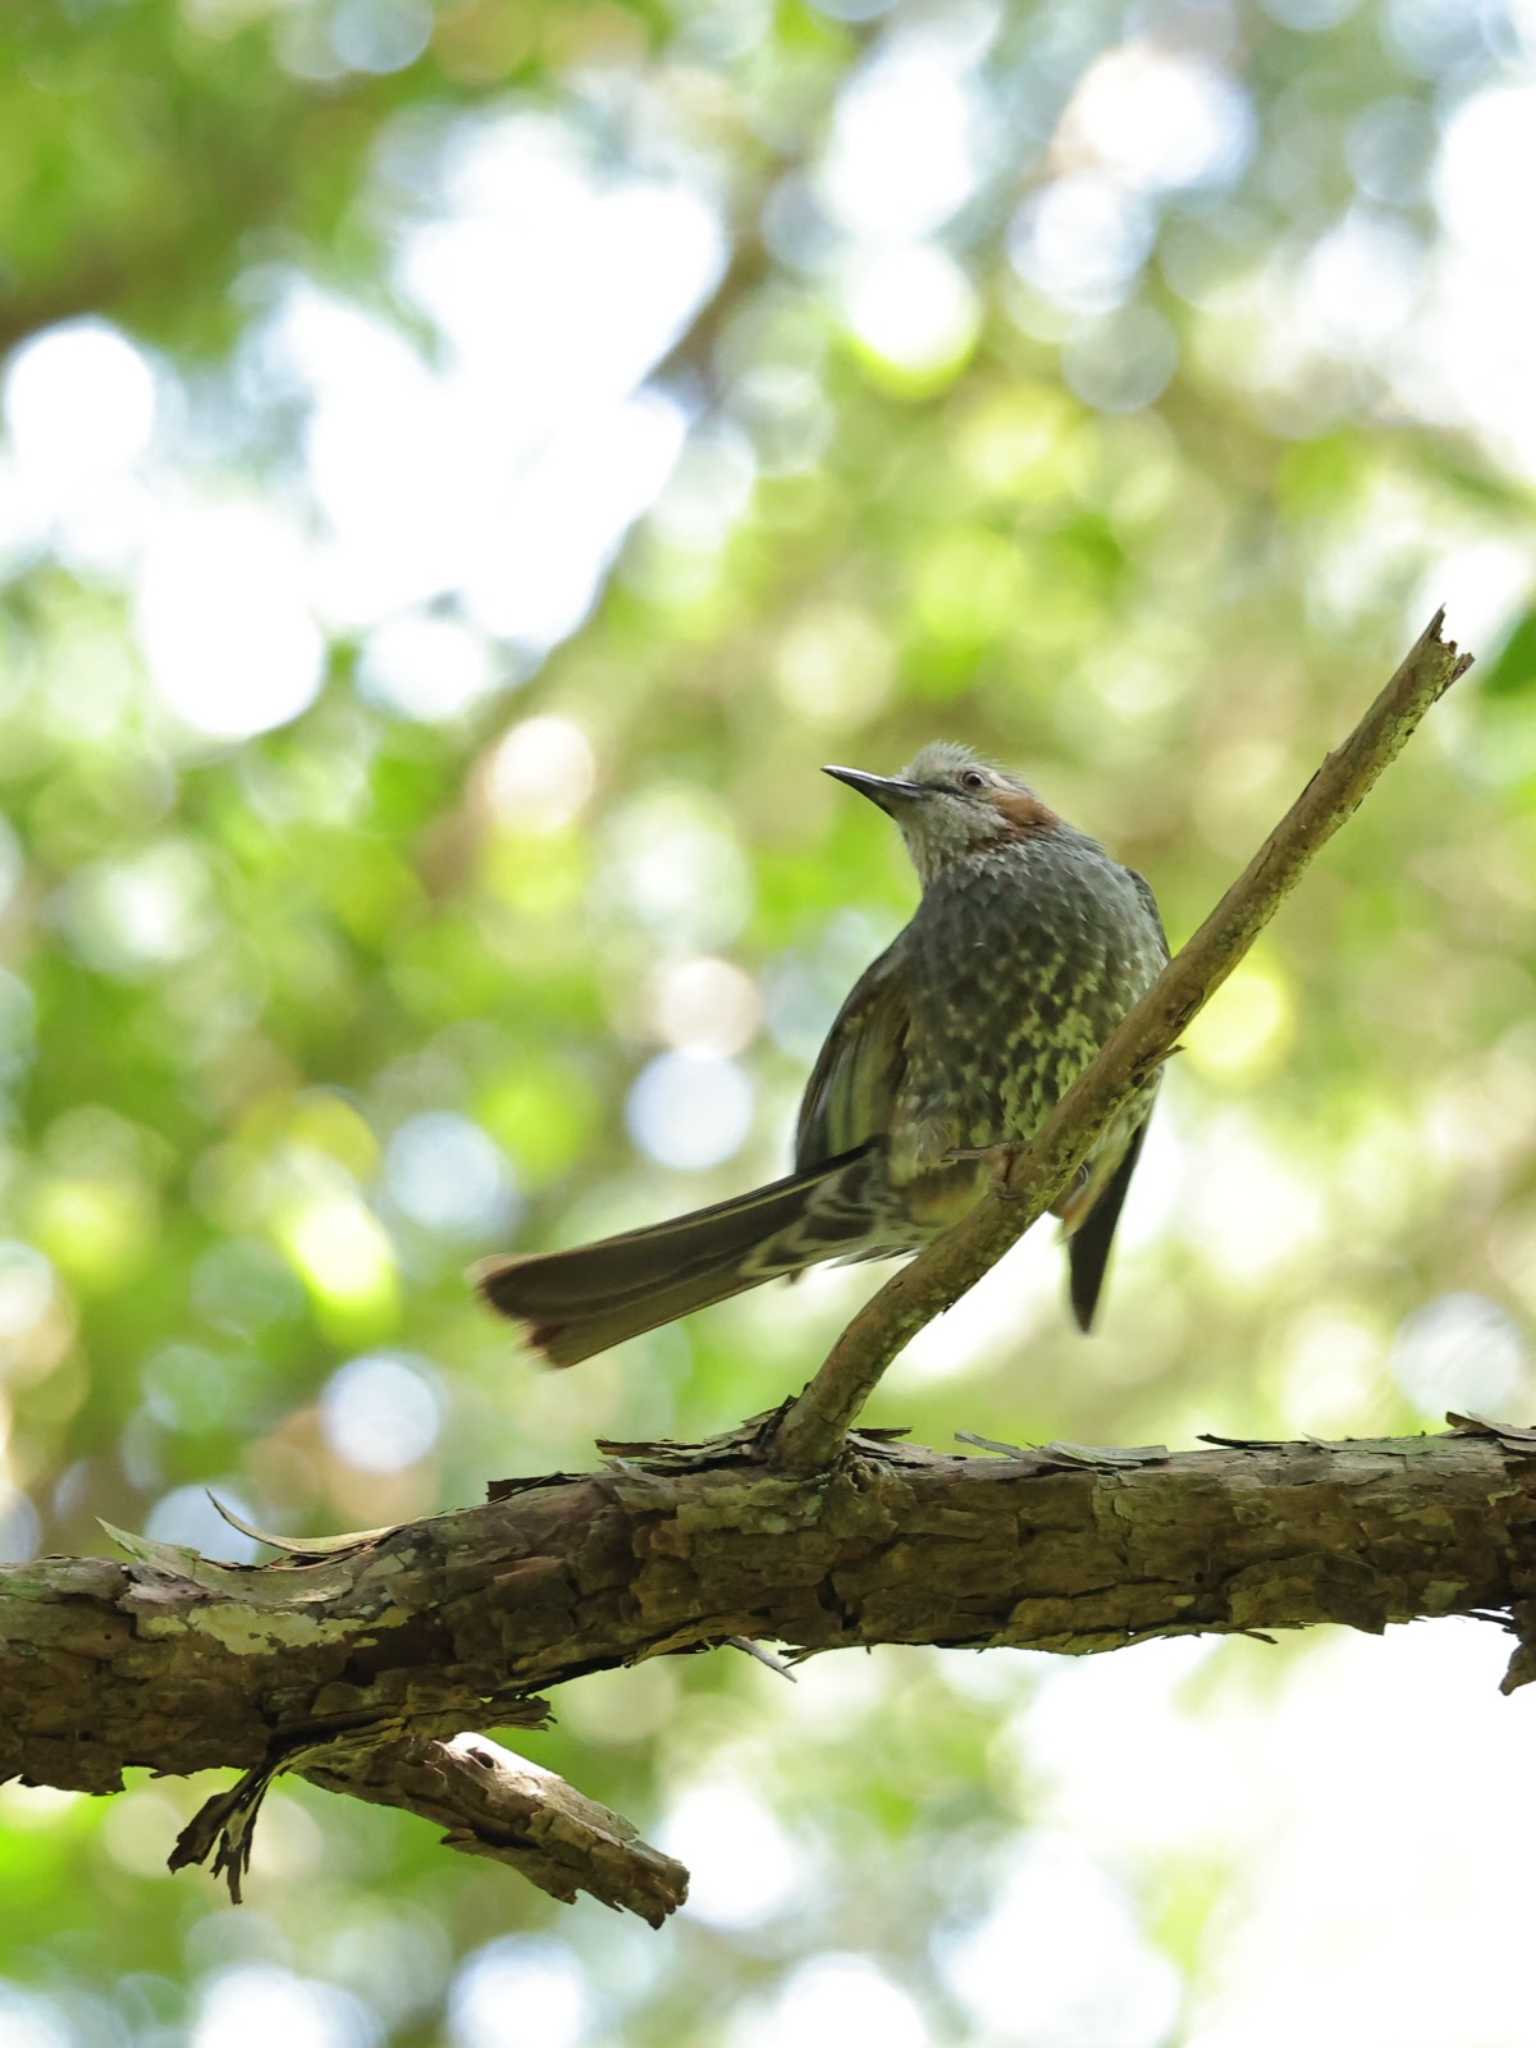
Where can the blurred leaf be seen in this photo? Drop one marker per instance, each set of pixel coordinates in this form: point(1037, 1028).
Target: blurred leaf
point(1512, 671)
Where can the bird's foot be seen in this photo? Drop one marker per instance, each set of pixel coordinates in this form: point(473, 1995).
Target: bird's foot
point(1003, 1158)
point(999, 1158)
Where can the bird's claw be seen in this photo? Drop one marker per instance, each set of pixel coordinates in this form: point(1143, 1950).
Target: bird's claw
point(999, 1157)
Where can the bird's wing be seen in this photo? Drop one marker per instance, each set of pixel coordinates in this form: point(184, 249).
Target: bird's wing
point(852, 1090)
point(1144, 891)
point(1092, 1234)
point(1088, 1246)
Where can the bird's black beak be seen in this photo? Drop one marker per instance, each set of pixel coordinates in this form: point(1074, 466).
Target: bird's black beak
point(890, 792)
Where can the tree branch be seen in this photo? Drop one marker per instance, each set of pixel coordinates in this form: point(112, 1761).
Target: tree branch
point(492, 1802)
point(816, 1423)
point(357, 1661)
point(357, 1666)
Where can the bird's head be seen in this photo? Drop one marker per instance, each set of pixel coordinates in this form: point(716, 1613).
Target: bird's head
point(949, 803)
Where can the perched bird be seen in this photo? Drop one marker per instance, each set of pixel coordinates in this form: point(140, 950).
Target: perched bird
point(1028, 947)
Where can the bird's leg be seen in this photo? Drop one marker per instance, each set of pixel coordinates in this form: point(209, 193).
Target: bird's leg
point(1071, 1205)
point(999, 1157)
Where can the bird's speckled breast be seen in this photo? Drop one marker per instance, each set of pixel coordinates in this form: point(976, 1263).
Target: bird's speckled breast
point(1024, 957)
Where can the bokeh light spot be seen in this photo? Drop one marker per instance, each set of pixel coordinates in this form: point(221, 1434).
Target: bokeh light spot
point(11, 863)
point(837, 1998)
point(225, 624)
point(98, 1228)
point(913, 309)
point(690, 1111)
point(187, 1516)
point(1123, 362)
point(255, 2004)
point(380, 1412)
point(1247, 1032)
point(29, 2020)
point(675, 863)
point(1081, 241)
point(424, 667)
point(517, 1990)
point(1093, 1977)
point(1461, 1351)
point(1248, 1208)
point(872, 180)
point(709, 490)
point(130, 915)
point(79, 403)
point(380, 36)
point(445, 1174)
point(835, 666)
point(541, 774)
point(705, 1005)
point(26, 1289)
point(18, 1018)
point(21, 1530)
point(345, 1255)
point(1161, 119)
point(744, 1865)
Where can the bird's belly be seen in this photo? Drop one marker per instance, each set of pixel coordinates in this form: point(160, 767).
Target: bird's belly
point(987, 1067)
point(1020, 968)
point(940, 1196)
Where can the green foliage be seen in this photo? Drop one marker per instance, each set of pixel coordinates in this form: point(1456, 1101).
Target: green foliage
point(299, 1017)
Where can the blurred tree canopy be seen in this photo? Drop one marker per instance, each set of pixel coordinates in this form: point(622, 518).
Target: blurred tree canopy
point(464, 468)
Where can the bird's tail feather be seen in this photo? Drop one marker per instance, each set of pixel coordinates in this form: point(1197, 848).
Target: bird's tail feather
point(575, 1303)
point(1088, 1246)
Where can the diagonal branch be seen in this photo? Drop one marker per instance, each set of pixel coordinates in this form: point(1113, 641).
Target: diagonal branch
point(814, 1427)
point(492, 1802)
point(497, 1804)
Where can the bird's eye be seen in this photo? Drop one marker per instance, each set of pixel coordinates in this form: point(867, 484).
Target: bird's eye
point(972, 778)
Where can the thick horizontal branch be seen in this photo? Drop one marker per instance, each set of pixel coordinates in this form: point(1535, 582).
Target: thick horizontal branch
point(936, 1279)
point(336, 1665)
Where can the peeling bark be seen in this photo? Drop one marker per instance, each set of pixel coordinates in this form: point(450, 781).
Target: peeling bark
point(492, 1802)
point(354, 1666)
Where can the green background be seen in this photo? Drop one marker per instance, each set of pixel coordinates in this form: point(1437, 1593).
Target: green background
point(1145, 498)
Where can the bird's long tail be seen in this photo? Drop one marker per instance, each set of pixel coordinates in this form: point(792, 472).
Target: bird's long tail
point(575, 1303)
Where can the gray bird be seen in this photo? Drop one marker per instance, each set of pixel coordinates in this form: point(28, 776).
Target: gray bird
point(1028, 947)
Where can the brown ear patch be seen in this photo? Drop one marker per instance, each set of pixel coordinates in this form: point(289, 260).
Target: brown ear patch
point(1021, 812)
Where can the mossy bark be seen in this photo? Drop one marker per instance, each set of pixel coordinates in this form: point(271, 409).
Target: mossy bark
point(357, 1664)
point(181, 1664)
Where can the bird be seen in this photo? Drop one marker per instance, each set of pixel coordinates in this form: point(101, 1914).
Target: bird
point(1028, 946)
